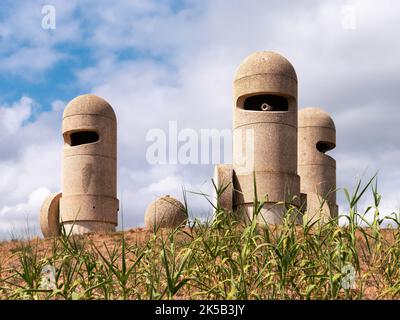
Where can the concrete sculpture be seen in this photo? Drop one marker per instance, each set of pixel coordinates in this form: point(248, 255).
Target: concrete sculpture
point(284, 154)
point(265, 104)
point(165, 212)
point(317, 170)
point(50, 215)
point(265, 101)
point(89, 170)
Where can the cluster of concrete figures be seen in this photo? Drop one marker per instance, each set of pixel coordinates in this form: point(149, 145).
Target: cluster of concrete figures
point(275, 147)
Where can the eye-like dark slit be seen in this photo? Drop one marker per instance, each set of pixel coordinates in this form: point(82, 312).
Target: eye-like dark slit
point(266, 102)
point(83, 137)
point(323, 146)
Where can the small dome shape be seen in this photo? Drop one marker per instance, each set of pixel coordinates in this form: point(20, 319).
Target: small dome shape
point(265, 62)
point(89, 104)
point(315, 117)
point(165, 212)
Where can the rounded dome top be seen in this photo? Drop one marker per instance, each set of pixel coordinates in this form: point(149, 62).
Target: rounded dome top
point(89, 104)
point(165, 212)
point(315, 117)
point(265, 62)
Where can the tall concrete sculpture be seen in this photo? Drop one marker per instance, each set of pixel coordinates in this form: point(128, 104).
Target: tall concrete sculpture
point(317, 170)
point(265, 105)
point(88, 202)
point(89, 179)
point(265, 102)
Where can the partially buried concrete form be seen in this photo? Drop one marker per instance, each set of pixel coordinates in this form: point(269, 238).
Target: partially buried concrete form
point(265, 107)
point(165, 212)
point(50, 215)
point(317, 170)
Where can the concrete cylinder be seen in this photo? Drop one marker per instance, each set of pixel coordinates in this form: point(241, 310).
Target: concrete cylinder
point(317, 170)
point(265, 134)
point(89, 170)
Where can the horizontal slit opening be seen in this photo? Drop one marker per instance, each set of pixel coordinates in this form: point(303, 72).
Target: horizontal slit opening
point(83, 137)
point(323, 146)
point(266, 102)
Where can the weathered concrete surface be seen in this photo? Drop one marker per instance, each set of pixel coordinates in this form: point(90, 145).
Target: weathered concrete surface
point(265, 102)
point(271, 213)
point(89, 172)
point(317, 170)
point(317, 209)
point(223, 179)
point(165, 212)
point(50, 215)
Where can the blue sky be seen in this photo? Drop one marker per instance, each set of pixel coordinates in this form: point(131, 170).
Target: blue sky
point(158, 61)
point(57, 80)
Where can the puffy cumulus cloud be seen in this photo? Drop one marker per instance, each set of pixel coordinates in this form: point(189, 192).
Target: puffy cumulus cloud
point(28, 50)
point(12, 117)
point(30, 162)
point(17, 220)
point(157, 62)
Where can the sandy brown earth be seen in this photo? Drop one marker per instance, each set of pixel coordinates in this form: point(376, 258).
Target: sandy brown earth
point(9, 250)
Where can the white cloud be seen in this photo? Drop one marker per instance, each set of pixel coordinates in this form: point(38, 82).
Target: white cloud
point(21, 62)
point(30, 162)
point(23, 215)
point(12, 117)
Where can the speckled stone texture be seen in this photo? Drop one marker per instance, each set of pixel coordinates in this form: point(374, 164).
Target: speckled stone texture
point(223, 180)
point(89, 171)
point(317, 170)
point(165, 212)
point(50, 215)
point(274, 149)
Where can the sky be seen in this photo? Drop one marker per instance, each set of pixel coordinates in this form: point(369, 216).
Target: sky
point(163, 62)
